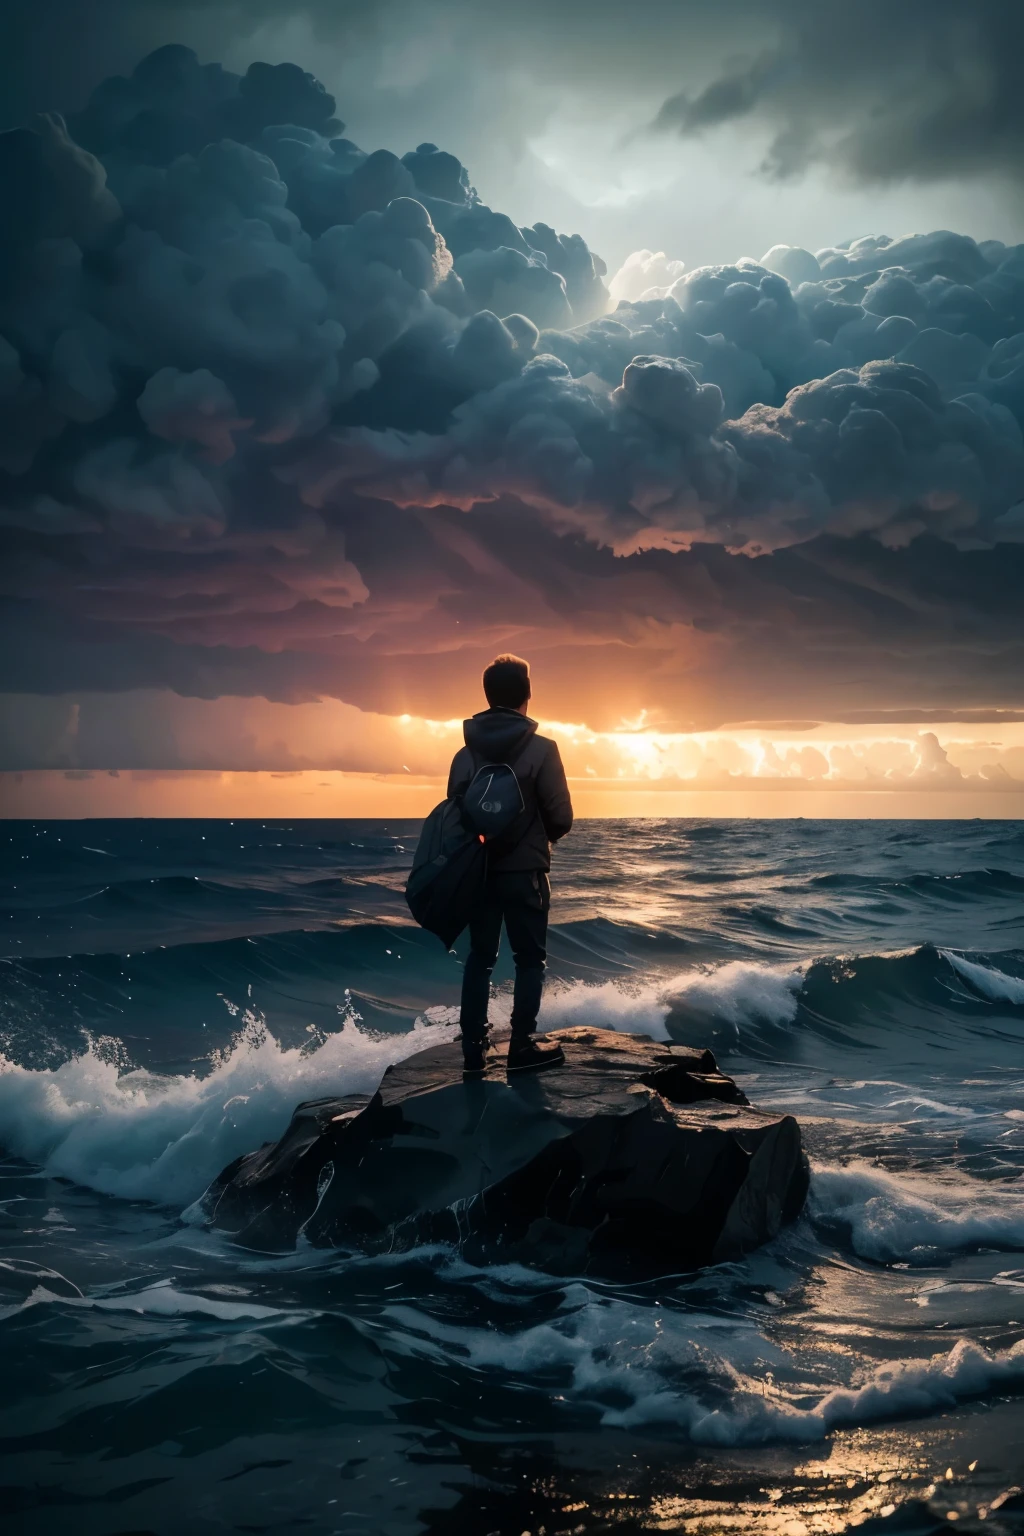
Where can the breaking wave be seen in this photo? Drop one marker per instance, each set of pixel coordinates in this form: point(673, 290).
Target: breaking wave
point(141, 1135)
point(127, 1131)
point(892, 1218)
point(707, 1379)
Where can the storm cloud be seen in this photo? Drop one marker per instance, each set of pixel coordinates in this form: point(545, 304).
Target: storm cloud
point(284, 417)
point(923, 89)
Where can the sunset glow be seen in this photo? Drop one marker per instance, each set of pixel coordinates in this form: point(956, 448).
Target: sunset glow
point(386, 766)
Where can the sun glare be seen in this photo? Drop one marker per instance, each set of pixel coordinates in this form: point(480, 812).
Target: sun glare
point(340, 762)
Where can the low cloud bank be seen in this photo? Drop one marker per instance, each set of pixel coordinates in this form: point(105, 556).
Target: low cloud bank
point(156, 730)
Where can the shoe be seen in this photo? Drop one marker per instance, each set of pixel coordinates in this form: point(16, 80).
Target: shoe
point(526, 1055)
point(474, 1058)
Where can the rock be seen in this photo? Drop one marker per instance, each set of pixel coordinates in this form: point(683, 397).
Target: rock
point(633, 1156)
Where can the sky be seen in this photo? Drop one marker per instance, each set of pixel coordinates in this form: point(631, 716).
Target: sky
point(679, 347)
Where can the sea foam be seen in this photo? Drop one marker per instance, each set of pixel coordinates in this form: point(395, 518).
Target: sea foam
point(738, 993)
point(893, 1217)
point(161, 1300)
point(993, 984)
point(142, 1136)
point(712, 1381)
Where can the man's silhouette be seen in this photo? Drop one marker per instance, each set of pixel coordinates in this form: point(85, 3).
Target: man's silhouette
point(518, 891)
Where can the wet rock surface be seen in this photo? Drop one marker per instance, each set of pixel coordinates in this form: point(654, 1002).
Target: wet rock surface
point(633, 1156)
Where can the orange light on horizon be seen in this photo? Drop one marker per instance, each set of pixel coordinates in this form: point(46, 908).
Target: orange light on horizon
point(241, 756)
point(45, 794)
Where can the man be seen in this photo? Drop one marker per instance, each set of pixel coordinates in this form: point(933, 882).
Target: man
point(518, 890)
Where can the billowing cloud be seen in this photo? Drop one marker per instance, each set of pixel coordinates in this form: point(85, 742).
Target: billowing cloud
point(285, 418)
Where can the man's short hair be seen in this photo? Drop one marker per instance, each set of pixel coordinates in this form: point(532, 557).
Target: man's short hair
point(507, 682)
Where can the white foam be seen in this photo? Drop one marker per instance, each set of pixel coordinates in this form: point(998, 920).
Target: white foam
point(894, 1390)
point(997, 986)
point(738, 993)
point(631, 1008)
point(904, 1217)
point(139, 1135)
point(142, 1136)
point(934, 1108)
point(636, 1366)
point(742, 992)
point(922, 1386)
point(165, 1300)
point(711, 1380)
point(159, 1300)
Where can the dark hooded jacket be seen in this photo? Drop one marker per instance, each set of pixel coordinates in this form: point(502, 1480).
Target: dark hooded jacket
point(506, 736)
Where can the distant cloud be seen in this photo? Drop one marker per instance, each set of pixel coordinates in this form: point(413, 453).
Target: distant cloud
point(147, 731)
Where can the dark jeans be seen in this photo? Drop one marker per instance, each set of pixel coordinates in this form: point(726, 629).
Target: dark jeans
point(520, 899)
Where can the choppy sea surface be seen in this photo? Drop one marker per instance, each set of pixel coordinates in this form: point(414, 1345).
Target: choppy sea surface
point(170, 990)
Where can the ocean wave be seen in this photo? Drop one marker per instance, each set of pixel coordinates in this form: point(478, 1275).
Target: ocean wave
point(885, 1000)
point(140, 915)
point(718, 1000)
point(634, 1008)
point(162, 1299)
point(714, 1381)
point(175, 991)
point(901, 1217)
point(962, 885)
point(738, 993)
point(895, 1390)
point(731, 992)
point(168, 892)
point(346, 943)
point(172, 996)
point(171, 893)
point(993, 984)
point(140, 1135)
point(851, 1000)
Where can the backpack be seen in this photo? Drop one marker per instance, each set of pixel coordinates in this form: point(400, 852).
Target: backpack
point(450, 864)
point(448, 873)
point(492, 800)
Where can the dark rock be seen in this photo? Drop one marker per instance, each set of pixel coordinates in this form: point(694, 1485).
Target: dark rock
point(634, 1155)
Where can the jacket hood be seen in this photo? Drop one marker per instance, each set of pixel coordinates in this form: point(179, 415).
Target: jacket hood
point(498, 735)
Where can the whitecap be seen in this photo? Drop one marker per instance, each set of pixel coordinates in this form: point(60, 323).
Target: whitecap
point(139, 1135)
point(737, 993)
point(713, 1381)
point(901, 1216)
point(996, 985)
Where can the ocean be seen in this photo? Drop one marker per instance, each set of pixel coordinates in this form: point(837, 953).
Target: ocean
point(170, 990)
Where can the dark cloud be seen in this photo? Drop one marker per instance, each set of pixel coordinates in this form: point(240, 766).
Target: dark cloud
point(285, 417)
point(742, 406)
point(925, 89)
point(921, 89)
point(839, 629)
